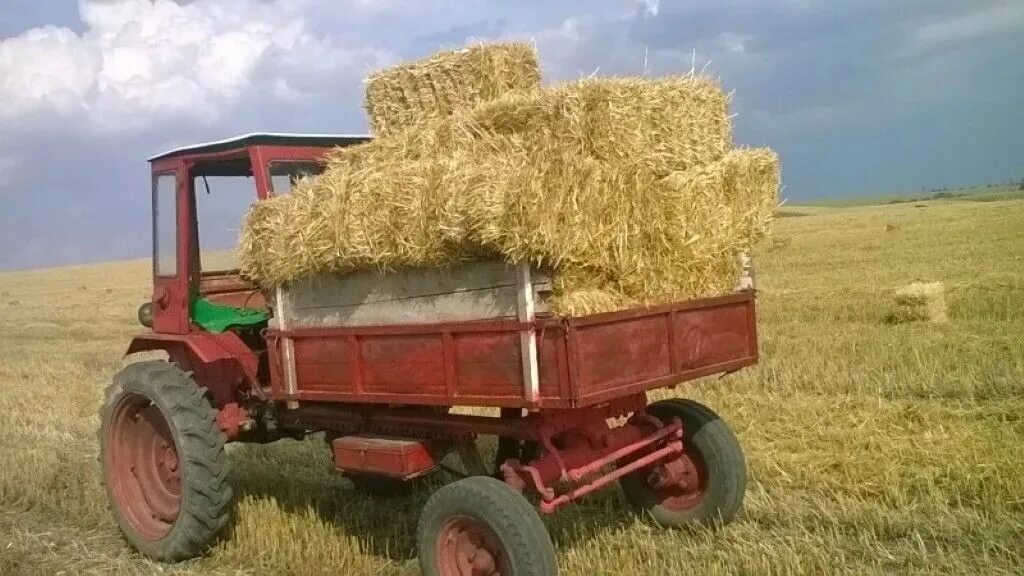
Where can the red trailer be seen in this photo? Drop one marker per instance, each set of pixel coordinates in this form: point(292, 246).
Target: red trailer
point(567, 396)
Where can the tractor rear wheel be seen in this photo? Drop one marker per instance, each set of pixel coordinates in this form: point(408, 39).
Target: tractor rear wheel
point(479, 526)
point(163, 461)
point(704, 485)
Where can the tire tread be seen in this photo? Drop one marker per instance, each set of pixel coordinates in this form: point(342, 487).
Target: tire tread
point(206, 503)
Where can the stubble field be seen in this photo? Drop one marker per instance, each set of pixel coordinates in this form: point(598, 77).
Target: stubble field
point(872, 448)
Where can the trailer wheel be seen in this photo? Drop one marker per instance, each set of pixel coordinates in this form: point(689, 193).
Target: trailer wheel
point(163, 462)
point(480, 526)
point(705, 485)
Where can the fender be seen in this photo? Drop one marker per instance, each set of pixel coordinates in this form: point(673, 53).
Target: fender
point(222, 363)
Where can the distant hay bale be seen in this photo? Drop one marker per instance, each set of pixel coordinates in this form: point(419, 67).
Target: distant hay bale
point(919, 302)
point(437, 86)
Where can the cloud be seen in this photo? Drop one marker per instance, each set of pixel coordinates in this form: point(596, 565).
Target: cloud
point(46, 69)
point(140, 62)
point(853, 94)
point(650, 6)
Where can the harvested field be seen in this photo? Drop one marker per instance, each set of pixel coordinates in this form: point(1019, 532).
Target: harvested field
point(872, 448)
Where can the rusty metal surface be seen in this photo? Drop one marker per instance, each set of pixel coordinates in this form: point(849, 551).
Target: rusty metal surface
point(582, 361)
point(583, 452)
point(397, 457)
point(222, 363)
point(432, 423)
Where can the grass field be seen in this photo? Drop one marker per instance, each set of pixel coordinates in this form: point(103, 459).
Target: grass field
point(966, 194)
point(872, 448)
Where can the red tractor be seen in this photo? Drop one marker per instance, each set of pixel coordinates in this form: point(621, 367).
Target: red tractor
point(375, 362)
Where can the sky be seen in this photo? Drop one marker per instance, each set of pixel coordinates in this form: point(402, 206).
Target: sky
point(857, 96)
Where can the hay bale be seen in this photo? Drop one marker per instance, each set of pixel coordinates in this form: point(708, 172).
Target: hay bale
point(667, 124)
point(919, 302)
point(626, 191)
point(611, 236)
point(435, 87)
point(664, 124)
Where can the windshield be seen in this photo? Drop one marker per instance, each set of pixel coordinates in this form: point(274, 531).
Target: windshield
point(285, 175)
point(221, 203)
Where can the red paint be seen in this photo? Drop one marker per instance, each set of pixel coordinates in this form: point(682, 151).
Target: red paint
point(220, 362)
point(421, 423)
point(582, 453)
point(630, 446)
point(404, 458)
point(170, 293)
point(679, 484)
point(468, 547)
point(669, 450)
point(364, 383)
point(231, 418)
point(143, 465)
point(582, 361)
point(580, 457)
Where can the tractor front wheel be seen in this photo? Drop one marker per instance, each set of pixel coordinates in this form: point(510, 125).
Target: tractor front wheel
point(704, 485)
point(163, 462)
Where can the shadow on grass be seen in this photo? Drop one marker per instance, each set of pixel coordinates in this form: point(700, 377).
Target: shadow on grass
point(299, 476)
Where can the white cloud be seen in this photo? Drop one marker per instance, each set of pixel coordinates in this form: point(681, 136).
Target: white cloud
point(141, 61)
point(651, 6)
point(46, 68)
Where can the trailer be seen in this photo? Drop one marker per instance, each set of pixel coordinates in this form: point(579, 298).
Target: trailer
point(377, 362)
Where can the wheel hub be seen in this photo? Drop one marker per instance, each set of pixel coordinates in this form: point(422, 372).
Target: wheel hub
point(143, 467)
point(468, 547)
point(679, 483)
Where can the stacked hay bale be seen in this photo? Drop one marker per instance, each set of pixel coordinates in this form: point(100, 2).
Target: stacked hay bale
point(627, 191)
point(448, 82)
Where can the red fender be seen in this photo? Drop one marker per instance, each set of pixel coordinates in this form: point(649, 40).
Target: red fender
point(220, 362)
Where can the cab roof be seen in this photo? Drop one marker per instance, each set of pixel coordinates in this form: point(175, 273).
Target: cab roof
point(265, 139)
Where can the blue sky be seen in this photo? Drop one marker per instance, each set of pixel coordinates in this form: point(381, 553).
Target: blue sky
point(857, 96)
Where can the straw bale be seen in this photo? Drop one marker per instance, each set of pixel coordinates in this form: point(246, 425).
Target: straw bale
point(664, 124)
point(626, 190)
point(436, 87)
point(670, 123)
point(613, 236)
point(920, 301)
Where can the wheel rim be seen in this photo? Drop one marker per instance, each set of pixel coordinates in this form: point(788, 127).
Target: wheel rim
point(144, 469)
point(679, 484)
point(468, 547)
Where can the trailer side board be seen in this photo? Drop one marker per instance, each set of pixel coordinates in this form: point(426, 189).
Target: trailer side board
point(472, 291)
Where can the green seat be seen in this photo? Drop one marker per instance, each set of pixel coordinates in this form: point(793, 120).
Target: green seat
point(218, 318)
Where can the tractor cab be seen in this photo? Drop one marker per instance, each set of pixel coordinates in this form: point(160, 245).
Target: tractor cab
point(201, 194)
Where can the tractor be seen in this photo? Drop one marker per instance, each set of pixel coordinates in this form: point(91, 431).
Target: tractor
point(376, 362)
